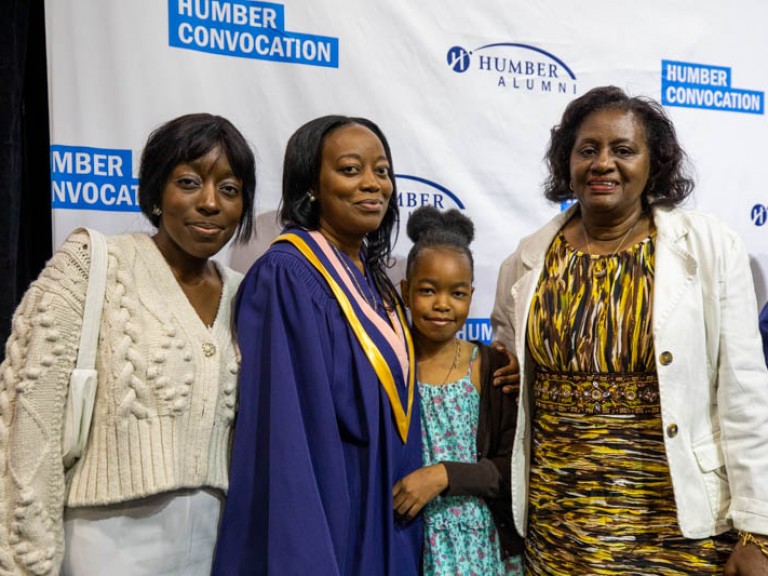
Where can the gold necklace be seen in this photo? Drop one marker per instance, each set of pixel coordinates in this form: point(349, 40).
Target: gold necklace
point(599, 268)
point(372, 300)
point(453, 366)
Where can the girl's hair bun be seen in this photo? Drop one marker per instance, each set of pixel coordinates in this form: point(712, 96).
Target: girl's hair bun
point(451, 227)
point(429, 228)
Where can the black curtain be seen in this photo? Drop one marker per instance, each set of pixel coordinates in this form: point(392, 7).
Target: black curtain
point(25, 197)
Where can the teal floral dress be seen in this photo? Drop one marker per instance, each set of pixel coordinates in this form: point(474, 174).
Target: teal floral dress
point(460, 536)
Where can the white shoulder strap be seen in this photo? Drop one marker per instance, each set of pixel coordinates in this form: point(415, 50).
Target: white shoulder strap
point(94, 300)
point(81, 395)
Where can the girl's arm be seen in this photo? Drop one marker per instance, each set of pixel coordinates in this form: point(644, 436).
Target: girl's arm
point(489, 477)
point(412, 493)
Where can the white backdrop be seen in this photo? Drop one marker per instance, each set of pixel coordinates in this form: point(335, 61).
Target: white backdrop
point(465, 92)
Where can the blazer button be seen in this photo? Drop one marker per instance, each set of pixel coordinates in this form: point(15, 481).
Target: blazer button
point(672, 430)
point(665, 358)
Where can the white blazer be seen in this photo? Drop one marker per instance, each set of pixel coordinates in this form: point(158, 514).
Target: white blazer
point(713, 381)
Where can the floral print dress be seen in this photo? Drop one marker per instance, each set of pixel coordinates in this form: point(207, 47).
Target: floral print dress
point(460, 536)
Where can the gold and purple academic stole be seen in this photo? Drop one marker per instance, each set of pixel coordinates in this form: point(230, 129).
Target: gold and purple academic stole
point(396, 334)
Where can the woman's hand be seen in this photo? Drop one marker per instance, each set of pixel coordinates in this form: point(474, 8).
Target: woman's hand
point(507, 376)
point(747, 560)
point(411, 494)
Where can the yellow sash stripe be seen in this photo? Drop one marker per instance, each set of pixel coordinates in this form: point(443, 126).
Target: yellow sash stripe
point(372, 352)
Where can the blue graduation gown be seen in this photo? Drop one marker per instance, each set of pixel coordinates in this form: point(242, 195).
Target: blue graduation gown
point(316, 448)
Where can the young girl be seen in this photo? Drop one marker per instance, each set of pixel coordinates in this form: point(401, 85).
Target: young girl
point(467, 423)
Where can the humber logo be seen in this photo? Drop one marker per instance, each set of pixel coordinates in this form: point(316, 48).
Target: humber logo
point(246, 29)
point(87, 178)
point(415, 191)
point(515, 66)
point(759, 215)
point(476, 329)
point(458, 59)
point(708, 87)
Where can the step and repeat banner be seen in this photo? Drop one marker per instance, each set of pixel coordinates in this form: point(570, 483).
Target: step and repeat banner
point(465, 92)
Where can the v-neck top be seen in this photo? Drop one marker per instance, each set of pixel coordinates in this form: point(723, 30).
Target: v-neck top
point(166, 392)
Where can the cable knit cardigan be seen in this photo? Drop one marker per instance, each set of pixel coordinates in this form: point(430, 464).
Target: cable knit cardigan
point(164, 405)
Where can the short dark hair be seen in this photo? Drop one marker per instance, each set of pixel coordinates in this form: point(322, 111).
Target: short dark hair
point(668, 181)
point(429, 228)
point(188, 138)
point(301, 173)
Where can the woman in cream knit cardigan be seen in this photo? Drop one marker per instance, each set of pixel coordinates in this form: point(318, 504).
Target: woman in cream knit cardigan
point(145, 496)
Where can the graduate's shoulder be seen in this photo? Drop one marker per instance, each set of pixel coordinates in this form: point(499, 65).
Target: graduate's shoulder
point(283, 265)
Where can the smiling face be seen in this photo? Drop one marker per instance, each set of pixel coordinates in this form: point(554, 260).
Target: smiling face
point(439, 293)
point(201, 208)
point(354, 185)
point(610, 163)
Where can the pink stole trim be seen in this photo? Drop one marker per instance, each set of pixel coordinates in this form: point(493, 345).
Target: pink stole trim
point(392, 331)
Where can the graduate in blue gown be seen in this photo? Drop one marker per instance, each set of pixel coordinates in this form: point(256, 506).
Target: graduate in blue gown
point(328, 419)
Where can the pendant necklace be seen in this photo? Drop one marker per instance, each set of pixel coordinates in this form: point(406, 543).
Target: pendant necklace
point(598, 265)
point(369, 297)
point(453, 366)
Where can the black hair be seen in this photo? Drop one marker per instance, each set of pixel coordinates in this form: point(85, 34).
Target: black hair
point(301, 173)
point(188, 138)
point(668, 181)
point(429, 228)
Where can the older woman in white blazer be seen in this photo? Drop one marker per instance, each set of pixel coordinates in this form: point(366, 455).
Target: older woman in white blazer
point(642, 438)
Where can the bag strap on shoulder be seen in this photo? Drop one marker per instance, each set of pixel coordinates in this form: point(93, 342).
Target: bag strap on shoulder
point(94, 300)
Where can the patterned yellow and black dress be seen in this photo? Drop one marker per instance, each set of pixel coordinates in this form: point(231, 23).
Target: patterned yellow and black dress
point(601, 499)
